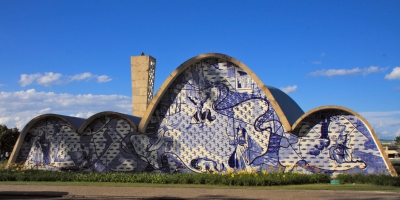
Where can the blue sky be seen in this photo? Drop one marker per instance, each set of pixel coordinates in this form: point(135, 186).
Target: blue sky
point(73, 57)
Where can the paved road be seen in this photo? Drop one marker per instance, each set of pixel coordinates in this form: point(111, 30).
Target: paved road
point(106, 192)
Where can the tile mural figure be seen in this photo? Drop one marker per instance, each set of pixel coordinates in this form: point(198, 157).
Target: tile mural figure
point(240, 157)
point(216, 128)
point(105, 145)
point(214, 116)
point(342, 139)
point(47, 145)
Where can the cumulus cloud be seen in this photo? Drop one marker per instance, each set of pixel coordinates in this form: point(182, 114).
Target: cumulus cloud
point(87, 76)
point(83, 114)
point(289, 89)
point(384, 122)
point(27, 79)
point(373, 69)
point(346, 72)
point(395, 74)
point(18, 108)
point(80, 77)
point(50, 78)
point(103, 79)
point(4, 120)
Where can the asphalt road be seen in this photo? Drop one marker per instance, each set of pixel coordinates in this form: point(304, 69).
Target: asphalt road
point(106, 192)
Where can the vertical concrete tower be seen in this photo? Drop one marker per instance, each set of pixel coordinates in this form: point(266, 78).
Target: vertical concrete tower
point(143, 70)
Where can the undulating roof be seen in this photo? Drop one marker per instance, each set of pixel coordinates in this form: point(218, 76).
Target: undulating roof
point(287, 109)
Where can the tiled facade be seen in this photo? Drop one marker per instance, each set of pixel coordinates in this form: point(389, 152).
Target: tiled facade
point(213, 116)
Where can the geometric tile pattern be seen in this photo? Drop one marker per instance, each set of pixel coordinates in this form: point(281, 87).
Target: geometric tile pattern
point(152, 73)
point(213, 117)
point(47, 145)
point(108, 146)
point(332, 141)
point(105, 145)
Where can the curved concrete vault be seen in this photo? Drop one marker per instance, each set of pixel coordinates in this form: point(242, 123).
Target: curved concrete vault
point(211, 114)
point(286, 108)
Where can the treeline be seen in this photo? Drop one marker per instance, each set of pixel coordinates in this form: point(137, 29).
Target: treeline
point(8, 138)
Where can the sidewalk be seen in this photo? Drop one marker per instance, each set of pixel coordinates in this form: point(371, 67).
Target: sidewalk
point(106, 192)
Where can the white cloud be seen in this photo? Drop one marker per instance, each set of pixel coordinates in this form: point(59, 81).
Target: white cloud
point(289, 89)
point(88, 76)
point(317, 62)
point(395, 74)
point(384, 122)
point(83, 114)
point(103, 79)
point(373, 69)
point(4, 120)
point(50, 78)
point(18, 108)
point(27, 79)
point(335, 72)
point(323, 54)
point(1, 85)
point(80, 77)
point(380, 114)
point(397, 88)
point(45, 110)
point(384, 133)
point(346, 72)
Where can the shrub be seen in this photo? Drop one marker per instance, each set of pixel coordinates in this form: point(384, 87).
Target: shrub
point(376, 179)
point(240, 178)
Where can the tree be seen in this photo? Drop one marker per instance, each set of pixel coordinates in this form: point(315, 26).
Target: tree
point(8, 138)
point(397, 141)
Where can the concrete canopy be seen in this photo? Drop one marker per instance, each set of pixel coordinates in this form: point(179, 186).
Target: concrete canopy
point(78, 125)
point(133, 120)
point(74, 123)
point(340, 110)
point(211, 114)
point(287, 109)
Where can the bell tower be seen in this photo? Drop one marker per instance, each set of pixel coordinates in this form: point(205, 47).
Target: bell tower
point(143, 70)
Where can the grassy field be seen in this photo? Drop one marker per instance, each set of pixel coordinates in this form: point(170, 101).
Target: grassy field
point(17, 175)
point(346, 187)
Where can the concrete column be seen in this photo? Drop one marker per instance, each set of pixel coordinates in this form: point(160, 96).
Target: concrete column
point(143, 70)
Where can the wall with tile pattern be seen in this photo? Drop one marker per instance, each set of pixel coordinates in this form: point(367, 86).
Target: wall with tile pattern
point(212, 118)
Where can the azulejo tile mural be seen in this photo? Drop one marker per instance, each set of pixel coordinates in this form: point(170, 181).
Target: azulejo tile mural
point(48, 143)
point(105, 145)
point(333, 141)
point(214, 116)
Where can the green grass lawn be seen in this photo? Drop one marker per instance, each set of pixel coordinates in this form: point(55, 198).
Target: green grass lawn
point(17, 175)
point(347, 187)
